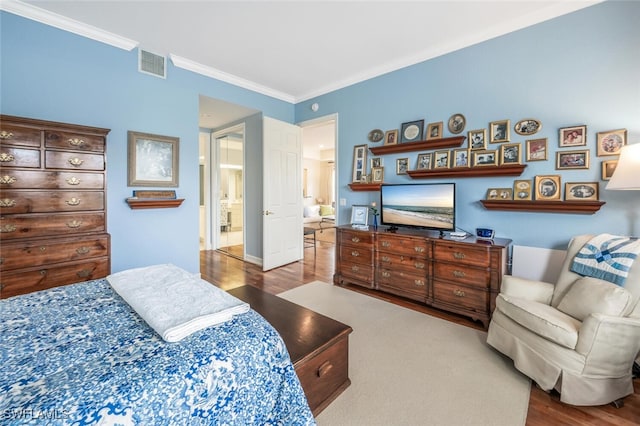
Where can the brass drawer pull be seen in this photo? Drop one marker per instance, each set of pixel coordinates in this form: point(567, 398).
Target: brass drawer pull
point(355, 253)
point(6, 158)
point(7, 202)
point(419, 265)
point(83, 273)
point(386, 274)
point(73, 201)
point(458, 255)
point(386, 259)
point(458, 293)
point(418, 282)
point(324, 368)
point(43, 272)
point(43, 249)
point(75, 161)
point(73, 181)
point(354, 268)
point(459, 274)
point(419, 249)
point(386, 244)
point(82, 250)
point(355, 239)
point(1, 260)
point(8, 228)
point(5, 135)
point(8, 180)
point(76, 142)
point(74, 223)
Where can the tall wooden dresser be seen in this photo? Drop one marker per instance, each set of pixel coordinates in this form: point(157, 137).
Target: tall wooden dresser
point(52, 205)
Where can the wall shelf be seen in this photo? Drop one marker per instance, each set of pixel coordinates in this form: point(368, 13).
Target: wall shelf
point(151, 203)
point(575, 207)
point(510, 170)
point(365, 186)
point(452, 142)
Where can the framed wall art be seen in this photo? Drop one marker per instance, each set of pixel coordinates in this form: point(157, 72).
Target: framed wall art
point(522, 190)
point(499, 194)
point(477, 139)
point(527, 126)
point(441, 160)
point(359, 163)
point(434, 130)
point(359, 215)
point(572, 159)
point(484, 158)
point(456, 123)
point(376, 162)
point(547, 187)
point(581, 191)
point(411, 131)
point(500, 131)
point(510, 153)
point(377, 174)
point(152, 160)
point(391, 137)
point(460, 158)
point(608, 167)
point(537, 149)
point(572, 136)
point(424, 161)
point(610, 142)
point(402, 165)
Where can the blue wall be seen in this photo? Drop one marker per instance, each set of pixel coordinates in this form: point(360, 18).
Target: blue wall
point(55, 75)
point(581, 68)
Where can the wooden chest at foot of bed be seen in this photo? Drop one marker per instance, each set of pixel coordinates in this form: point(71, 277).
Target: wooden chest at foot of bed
point(318, 345)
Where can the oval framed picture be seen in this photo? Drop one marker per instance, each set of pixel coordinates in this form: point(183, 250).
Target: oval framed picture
point(376, 135)
point(456, 123)
point(527, 126)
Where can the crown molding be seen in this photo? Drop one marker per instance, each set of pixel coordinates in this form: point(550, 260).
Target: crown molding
point(58, 21)
point(207, 71)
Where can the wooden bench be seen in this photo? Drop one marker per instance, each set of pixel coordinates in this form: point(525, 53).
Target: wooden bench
point(318, 345)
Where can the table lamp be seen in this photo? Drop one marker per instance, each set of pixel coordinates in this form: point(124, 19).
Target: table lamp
point(627, 173)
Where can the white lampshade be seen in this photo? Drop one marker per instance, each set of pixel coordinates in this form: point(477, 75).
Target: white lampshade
point(627, 173)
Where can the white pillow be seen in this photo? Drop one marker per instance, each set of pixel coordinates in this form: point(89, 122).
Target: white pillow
point(591, 295)
point(312, 211)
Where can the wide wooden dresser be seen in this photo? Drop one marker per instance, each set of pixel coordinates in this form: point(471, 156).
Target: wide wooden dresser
point(52, 205)
point(461, 276)
point(318, 345)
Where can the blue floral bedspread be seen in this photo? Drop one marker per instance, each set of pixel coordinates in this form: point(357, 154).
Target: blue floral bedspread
point(79, 355)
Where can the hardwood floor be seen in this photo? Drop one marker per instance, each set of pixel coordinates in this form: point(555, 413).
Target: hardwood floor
point(544, 409)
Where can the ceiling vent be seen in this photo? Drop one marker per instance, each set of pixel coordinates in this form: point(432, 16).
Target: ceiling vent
point(150, 63)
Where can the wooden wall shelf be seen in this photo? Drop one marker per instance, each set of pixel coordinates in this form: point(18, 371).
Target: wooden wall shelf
point(575, 207)
point(150, 203)
point(452, 142)
point(365, 186)
point(510, 170)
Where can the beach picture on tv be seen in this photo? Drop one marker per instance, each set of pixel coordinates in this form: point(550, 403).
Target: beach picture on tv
point(426, 206)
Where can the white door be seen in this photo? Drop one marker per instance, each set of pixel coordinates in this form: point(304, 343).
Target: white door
point(282, 192)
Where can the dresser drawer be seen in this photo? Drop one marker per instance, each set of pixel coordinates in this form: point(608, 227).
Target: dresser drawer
point(74, 141)
point(456, 295)
point(73, 160)
point(404, 283)
point(42, 225)
point(356, 254)
point(44, 277)
point(358, 272)
point(325, 374)
point(40, 179)
point(11, 134)
point(461, 253)
point(356, 238)
point(24, 254)
point(476, 277)
point(412, 264)
point(404, 245)
point(18, 157)
point(50, 201)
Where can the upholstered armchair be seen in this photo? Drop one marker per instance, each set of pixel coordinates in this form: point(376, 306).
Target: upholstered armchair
point(580, 336)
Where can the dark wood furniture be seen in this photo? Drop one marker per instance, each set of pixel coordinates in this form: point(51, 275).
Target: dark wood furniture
point(52, 205)
point(318, 345)
point(461, 276)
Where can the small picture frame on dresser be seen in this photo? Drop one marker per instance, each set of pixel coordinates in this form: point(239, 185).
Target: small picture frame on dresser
point(153, 160)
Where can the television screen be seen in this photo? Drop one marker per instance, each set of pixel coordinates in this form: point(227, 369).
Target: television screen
point(427, 205)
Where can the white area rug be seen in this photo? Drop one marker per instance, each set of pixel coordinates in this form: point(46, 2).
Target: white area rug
point(408, 368)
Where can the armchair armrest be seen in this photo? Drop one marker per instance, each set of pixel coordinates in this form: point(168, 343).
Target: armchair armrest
point(537, 291)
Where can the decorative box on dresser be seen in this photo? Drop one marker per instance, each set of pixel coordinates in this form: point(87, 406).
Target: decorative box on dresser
point(52, 205)
point(461, 276)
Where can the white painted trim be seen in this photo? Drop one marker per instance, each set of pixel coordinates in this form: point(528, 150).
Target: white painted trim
point(62, 22)
point(207, 71)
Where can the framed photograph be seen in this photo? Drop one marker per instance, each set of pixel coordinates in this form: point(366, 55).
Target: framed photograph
point(460, 158)
point(527, 126)
point(572, 159)
point(537, 149)
point(153, 160)
point(456, 123)
point(610, 142)
point(376, 162)
point(434, 130)
point(500, 131)
point(581, 191)
point(572, 136)
point(510, 153)
point(402, 165)
point(608, 167)
point(547, 187)
point(391, 137)
point(377, 174)
point(411, 131)
point(499, 194)
point(359, 163)
point(424, 161)
point(484, 158)
point(522, 190)
point(441, 160)
point(477, 139)
point(360, 215)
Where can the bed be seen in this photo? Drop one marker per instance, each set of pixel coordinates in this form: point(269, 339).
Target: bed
point(79, 354)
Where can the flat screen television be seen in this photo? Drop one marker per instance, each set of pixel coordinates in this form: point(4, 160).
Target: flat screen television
point(425, 206)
